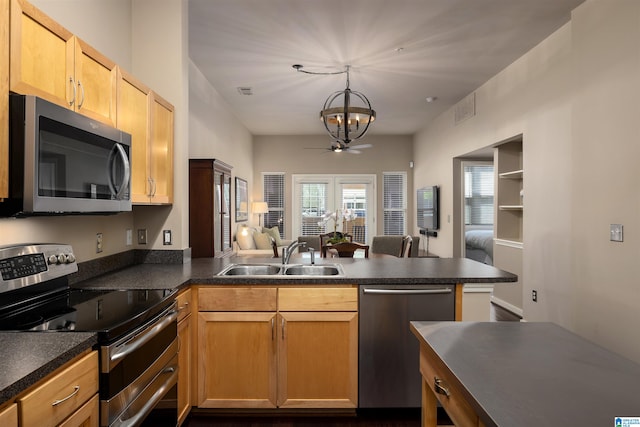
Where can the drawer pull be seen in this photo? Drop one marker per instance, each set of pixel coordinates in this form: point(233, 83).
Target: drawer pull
point(76, 389)
point(439, 386)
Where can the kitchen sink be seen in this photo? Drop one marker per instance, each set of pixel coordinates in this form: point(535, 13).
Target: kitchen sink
point(313, 270)
point(250, 270)
point(289, 270)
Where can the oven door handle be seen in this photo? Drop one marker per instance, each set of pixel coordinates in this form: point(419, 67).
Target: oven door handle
point(120, 351)
point(158, 394)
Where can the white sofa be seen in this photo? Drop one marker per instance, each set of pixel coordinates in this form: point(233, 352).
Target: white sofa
point(258, 241)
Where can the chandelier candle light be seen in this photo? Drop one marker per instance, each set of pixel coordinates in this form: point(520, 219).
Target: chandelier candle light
point(343, 120)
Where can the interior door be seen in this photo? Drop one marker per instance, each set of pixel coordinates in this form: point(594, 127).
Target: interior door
point(316, 195)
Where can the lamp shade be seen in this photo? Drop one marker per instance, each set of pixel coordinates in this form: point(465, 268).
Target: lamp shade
point(260, 207)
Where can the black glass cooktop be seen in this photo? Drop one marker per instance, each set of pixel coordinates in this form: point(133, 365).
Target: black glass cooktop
point(109, 313)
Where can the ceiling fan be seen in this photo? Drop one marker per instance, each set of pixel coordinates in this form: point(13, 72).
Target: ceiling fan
point(338, 147)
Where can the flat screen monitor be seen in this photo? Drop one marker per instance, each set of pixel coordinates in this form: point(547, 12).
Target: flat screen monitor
point(428, 207)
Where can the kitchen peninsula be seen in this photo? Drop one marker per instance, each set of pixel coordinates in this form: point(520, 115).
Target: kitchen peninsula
point(200, 275)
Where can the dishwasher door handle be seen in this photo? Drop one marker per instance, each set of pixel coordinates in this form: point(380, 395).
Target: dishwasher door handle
point(406, 291)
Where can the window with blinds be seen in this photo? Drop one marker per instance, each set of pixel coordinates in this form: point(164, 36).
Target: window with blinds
point(394, 194)
point(273, 193)
point(478, 194)
point(313, 205)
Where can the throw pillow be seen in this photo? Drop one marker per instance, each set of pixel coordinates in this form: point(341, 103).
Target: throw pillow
point(275, 233)
point(244, 237)
point(263, 240)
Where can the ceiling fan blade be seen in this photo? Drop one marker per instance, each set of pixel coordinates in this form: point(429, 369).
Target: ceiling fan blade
point(360, 146)
point(354, 151)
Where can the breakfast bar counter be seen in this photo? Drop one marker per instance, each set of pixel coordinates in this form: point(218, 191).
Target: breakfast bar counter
point(522, 374)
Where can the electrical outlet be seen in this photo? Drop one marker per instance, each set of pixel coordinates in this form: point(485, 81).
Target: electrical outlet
point(534, 295)
point(98, 243)
point(166, 237)
point(142, 236)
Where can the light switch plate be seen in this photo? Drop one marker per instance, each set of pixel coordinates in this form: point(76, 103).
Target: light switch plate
point(616, 233)
point(166, 237)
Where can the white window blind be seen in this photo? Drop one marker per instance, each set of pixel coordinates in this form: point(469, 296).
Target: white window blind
point(313, 205)
point(478, 194)
point(273, 193)
point(394, 194)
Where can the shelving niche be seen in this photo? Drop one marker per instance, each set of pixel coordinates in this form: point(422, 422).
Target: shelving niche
point(510, 174)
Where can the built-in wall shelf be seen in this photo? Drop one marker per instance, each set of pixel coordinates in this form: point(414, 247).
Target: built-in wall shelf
point(509, 190)
point(511, 174)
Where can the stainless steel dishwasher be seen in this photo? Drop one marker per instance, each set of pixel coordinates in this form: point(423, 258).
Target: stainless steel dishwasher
point(389, 370)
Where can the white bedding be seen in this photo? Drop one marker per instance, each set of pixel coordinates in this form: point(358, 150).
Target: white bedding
point(479, 245)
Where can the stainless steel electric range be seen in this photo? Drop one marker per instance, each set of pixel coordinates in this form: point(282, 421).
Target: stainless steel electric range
point(136, 329)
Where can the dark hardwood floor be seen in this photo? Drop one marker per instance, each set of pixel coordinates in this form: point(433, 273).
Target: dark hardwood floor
point(363, 418)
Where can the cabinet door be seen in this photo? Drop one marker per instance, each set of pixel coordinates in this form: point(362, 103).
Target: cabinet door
point(42, 55)
point(95, 80)
point(184, 368)
point(161, 161)
point(9, 416)
point(86, 416)
point(318, 360)
point(4, 99)
point(133, 118)
point(236, 360)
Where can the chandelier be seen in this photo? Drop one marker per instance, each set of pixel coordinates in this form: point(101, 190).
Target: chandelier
point(346, 114)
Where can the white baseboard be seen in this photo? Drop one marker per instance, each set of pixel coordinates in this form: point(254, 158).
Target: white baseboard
point(507, 306)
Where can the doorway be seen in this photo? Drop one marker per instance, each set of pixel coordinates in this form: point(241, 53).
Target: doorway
point(478, 210)
point(317, 196)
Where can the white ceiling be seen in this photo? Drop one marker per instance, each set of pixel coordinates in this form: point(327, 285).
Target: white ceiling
point(448, 49)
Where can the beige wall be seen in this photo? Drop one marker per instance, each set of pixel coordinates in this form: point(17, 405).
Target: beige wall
point(574, 99)
point(299, 155)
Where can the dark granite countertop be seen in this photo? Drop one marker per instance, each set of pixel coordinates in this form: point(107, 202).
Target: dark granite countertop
point(534, 373)
point(28, 357)
point(385, 271)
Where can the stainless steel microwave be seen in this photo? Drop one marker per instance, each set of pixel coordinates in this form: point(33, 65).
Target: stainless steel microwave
point(62, 163)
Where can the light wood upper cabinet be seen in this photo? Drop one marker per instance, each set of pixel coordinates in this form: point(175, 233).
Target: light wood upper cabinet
point(47, 60)
point(4, 99)
point(161, 161)
point(149, 119)
point(133, 118)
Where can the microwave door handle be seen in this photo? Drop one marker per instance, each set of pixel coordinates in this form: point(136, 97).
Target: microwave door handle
point(126, 173)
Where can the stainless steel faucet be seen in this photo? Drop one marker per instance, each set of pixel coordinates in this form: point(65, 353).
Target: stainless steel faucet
point(286, 252)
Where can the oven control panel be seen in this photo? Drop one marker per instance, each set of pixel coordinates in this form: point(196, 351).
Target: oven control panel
point(23, 265)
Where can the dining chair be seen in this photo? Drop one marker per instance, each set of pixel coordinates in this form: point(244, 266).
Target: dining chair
point(345, 249)
point(326, 236)
point(407, 244)
point(390, 245)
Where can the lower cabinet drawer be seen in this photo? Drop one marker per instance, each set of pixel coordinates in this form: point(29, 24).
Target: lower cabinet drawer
point(444, 387)
point(61, 395)
point(86, 416)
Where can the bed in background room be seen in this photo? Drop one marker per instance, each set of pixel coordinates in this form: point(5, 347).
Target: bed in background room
point(479, 245)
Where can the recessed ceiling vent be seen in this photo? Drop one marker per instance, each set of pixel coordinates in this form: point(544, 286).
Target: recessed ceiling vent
point(245, 91)
point(465, 109)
